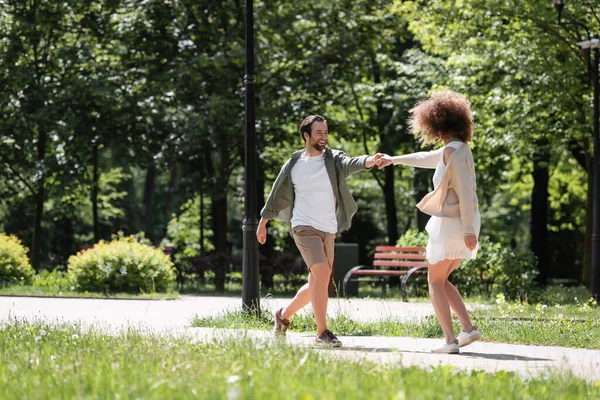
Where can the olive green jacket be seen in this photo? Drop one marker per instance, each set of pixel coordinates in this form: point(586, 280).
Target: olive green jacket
point(280, 204)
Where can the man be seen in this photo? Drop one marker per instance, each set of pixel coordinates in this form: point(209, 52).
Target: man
point(310, 195)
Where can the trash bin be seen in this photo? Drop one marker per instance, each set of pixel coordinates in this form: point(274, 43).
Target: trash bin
point(346, 257)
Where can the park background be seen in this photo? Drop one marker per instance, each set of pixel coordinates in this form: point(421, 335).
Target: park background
point(122, 117)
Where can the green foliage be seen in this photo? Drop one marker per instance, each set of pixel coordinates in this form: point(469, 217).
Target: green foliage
point(123, 265)
point(78, 76)
point(77, 199)
point(14, 264)
point(413, 238)
point(497, 269)
point(183, 233)
point(57, 280)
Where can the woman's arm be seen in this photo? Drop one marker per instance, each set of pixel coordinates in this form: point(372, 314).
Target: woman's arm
point(464, 185)
point(422, 159)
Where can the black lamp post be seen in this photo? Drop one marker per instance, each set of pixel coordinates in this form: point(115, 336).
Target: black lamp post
point(250, 288)
point(592, 45)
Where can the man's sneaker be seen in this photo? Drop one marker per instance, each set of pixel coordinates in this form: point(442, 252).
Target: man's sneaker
point(466, 338)
point(448, 348)
point(328, 338)
point(281, 324)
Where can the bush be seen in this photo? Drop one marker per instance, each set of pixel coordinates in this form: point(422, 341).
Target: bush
point(55, 279)
point(14, 263)
point(497, 269)
point(413, 238)
point(122, 265)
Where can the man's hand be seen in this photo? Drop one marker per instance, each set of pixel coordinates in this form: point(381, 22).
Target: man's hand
point(261, 232)
point(372, 160)
point(471, 242)
point(384, 161)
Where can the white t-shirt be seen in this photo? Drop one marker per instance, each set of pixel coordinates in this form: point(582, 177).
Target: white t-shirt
point(314, 204)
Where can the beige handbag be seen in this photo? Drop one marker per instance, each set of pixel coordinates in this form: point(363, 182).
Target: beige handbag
point(443, 201)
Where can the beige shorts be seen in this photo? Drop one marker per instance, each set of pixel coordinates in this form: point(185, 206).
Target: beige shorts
point(315, 246)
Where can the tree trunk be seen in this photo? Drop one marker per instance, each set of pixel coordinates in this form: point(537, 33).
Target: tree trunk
point(173, 180)
point(586, 274)
point(201, 227)
point(36, 245)
point(389, 193)
point(68, 239)
point(219, 221)
point(219, 225)
point(390, 206)
point(96, 223)
point(539, 212)
point(149, 189)
point(580, 152)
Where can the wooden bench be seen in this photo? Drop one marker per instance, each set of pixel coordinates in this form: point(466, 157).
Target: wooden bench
point(391, 261)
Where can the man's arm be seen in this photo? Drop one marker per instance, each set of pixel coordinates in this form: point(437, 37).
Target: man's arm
point(352, 165)
point(268, 210)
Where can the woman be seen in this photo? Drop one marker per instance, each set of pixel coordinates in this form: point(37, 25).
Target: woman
point(454, 227)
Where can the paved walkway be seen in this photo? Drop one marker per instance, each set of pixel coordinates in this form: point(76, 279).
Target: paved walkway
point(175, 315)
point(526, 361)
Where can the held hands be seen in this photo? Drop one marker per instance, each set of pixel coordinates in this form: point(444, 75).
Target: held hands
point(383, 161)
point(372, 160)
point(471, 242)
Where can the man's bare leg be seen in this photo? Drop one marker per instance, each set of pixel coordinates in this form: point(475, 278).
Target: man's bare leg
point(318, 285)
point(299, 301)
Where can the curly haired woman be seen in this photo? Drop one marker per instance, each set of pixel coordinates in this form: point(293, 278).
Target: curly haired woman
point(454, 226)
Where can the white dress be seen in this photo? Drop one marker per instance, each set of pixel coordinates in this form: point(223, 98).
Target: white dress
point(446, 238)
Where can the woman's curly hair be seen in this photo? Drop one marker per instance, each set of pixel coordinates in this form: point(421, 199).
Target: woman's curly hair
point(444, 113)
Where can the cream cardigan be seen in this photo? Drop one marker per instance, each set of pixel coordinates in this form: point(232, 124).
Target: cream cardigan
point(456, 196)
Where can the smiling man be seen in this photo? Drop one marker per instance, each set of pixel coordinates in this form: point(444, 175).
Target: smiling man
point(311, 195)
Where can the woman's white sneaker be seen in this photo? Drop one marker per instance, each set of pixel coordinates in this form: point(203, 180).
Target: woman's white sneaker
point(466, 338)
point(448, 348)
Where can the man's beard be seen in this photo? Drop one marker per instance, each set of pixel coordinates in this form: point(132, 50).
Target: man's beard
point(318, 147)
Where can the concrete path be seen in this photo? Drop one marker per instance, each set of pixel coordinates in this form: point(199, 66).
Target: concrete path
point(177, 313)
point(525, 361)
point(174, 316)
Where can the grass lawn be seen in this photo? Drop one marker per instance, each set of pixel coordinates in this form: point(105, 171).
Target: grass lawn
point(39, 361)
point(567, 326)
point(48, 291)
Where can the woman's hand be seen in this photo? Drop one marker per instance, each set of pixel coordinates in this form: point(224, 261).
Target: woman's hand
point(384, 161)
point(471, 242)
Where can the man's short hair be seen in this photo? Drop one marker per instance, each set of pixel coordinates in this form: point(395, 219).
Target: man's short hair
point(306, 124)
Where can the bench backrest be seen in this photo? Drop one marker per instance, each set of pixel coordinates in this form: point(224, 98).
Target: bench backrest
point(392, 256)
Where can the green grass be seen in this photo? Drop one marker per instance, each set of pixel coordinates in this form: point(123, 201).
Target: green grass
point(567, 326)
point(48, 291)
point(39, 361)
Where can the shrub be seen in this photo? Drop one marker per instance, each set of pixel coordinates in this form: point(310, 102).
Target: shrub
point(14, 263)
point(55, 279)
point(497, 269)
point(122, 265)
point(413, 238)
